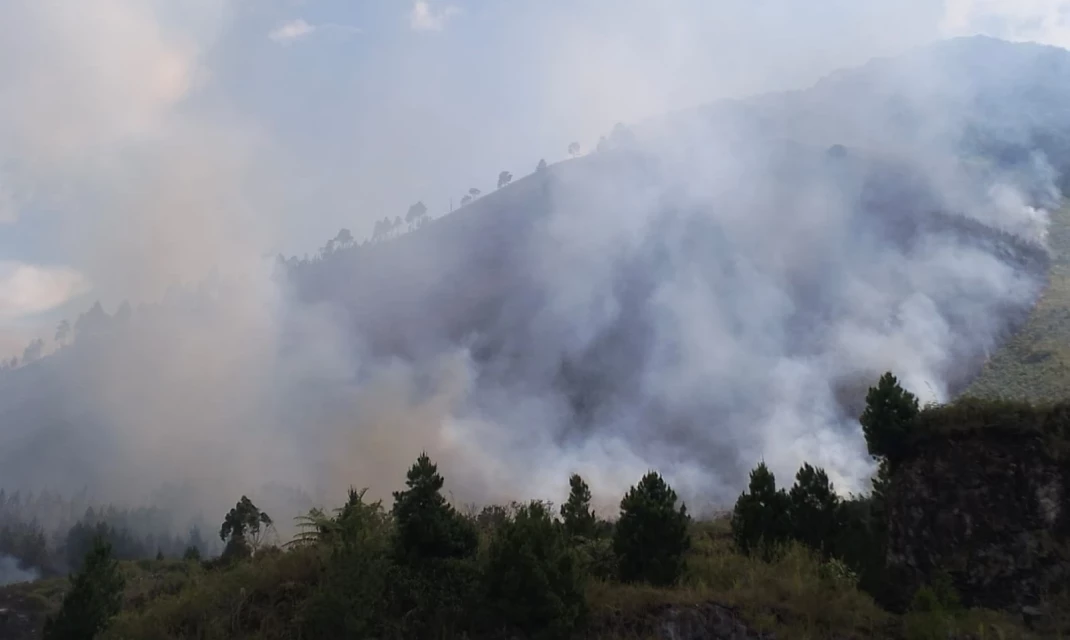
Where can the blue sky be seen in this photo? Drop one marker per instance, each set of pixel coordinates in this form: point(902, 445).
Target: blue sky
point(147, 140)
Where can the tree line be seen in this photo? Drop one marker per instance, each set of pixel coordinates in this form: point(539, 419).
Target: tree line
point(424, 569)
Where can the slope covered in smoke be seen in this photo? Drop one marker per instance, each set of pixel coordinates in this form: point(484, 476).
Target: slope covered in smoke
point(711, 288)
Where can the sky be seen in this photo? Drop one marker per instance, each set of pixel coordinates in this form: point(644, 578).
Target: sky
point(144, 142)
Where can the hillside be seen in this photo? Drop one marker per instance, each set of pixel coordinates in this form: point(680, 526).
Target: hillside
point(709, 289)
point(1034, 364)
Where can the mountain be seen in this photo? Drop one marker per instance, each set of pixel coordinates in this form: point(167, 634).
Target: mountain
point(711, 288)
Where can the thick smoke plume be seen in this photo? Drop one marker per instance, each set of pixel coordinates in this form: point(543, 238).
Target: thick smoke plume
point(11, 572)
point(709, 289)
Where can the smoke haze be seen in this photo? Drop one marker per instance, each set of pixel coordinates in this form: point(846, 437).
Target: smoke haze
point(717, 285)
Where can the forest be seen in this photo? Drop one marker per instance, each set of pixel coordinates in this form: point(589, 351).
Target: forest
point(797, 562)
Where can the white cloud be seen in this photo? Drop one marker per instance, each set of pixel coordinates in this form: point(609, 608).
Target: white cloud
point(1046, 21)
point(291, 31)
point(424, 18)
point(26, 289)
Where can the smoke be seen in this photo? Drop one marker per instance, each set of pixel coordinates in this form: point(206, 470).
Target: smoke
point(715, 287)
point(11, 572)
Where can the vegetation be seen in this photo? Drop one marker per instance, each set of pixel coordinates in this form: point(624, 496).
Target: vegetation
point(94, 599)
point(651, 537)
point(533, 579)
point(888, 417)
point(576, 513)
point(422, 569)
point(1034, 364)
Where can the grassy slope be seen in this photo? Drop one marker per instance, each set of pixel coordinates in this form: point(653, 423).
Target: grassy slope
point(794, 597)
point(1034, 365)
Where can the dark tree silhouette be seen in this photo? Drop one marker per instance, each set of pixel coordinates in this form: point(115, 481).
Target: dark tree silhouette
point(888, 417)
point(815, 510)
point(651, 537)
point(504, 178)
point(474, 192)
point(539, 168)
point(576, 513)
point(465, 199)
point(760, 519)
point(96, 596)
point(426, 526)
point(574, 149)
point(243, 528)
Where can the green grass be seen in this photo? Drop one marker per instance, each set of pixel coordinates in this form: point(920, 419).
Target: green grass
point(1034, 365)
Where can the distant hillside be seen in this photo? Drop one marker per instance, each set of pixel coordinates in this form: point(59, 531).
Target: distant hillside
point(708, 289)
point(1034, 365)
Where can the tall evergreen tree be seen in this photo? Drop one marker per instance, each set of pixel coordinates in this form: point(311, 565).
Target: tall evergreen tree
point(576, 513)
point(888, 417)
point(651, 536)
point(96, 596)
point(760, 519)
point(815, 510)
point(426, 525)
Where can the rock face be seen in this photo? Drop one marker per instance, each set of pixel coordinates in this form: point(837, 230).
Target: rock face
point(991, 508)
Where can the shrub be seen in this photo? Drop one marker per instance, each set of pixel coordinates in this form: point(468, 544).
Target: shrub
point(576, 512)
point(440, 598)
point(351, 601)
point(96, 596)
point(760, 519)
point(596, 557)
point(651, 536)
point(533, 578)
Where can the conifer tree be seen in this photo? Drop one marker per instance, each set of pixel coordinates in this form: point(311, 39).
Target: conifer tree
point(888, 417)
point(815, 510)
point(576, 513)
point(760, 519)
point(651, 536)
point(426, 525)
point(95, 597)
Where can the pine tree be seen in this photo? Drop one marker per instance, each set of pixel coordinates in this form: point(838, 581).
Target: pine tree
point(888, 417)
point(760, 519)
point(95, 597)
point(426, 526)
point(576, 513)
point(815, 510)
point(651, 536)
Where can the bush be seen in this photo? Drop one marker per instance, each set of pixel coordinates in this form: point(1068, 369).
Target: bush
point(351, 601)
point(760, 520)
point(651, 536)
point(533, 579)
point(596, 557)
point(96, 596)
point(438, 599)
